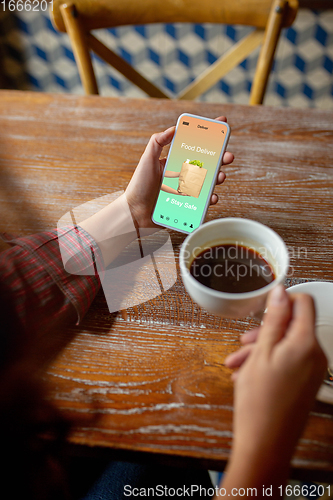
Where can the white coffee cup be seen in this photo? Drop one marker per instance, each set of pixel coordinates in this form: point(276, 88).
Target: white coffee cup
point(245, 232)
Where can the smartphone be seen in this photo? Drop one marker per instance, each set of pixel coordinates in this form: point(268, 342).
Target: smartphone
point(190, 172)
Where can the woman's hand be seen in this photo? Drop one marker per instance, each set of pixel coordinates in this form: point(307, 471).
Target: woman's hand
point(281, 368)
point(142, 191)
point(112, 228)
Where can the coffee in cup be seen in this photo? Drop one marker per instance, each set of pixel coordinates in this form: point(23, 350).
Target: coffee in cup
point(232, 268)
point(230, 265)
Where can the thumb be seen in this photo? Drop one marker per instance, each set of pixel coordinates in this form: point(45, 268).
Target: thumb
point(277, 317)
point(157, 142)
point(162, 163)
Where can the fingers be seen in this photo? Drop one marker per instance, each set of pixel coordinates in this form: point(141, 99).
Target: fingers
point(250, 337)
point(220, 178)
point(303, 321)
point(214, 199)
point(237, 358)
point(276, 319)
point(302, 339)
point(164, 138)
point(157, 142)
point(227, 158)
point(162, 163)
point(221, 118)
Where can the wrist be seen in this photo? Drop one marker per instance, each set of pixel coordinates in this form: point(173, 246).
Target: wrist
point(259, 466)
point(112, 228)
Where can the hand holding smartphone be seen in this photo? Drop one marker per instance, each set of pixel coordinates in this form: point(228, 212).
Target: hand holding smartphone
point(190, 173)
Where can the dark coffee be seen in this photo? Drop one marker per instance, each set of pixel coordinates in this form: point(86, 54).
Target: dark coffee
point(232, 269)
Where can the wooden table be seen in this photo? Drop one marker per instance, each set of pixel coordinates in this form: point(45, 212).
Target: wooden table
point(151, 379)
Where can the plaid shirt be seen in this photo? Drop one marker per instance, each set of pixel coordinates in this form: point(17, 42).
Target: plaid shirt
point(33, 272)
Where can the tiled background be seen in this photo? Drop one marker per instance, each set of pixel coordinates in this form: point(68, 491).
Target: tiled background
point(34, 56)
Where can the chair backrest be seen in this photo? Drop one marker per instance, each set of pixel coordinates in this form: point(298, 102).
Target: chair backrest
point(267, 16)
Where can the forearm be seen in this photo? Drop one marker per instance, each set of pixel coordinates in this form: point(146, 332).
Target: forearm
point(39, 287)
point(169, 189)
point(112, 228)
point(254, 473)
point(171, 174)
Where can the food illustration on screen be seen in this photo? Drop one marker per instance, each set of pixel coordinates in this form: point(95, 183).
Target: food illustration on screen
point(169, 174)
point(190, 174)
point(191, 178)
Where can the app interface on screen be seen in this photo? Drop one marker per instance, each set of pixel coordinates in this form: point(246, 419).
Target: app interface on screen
point(189, 174)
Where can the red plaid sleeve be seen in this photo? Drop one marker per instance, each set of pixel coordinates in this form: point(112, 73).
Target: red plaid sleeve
point(49, 274)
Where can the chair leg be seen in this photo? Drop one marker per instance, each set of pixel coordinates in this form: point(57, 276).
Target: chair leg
point(267, 52)
point(123, 67)
point(80, 47)
point(223, 65)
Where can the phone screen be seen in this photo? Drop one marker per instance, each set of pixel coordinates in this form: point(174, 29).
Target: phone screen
point(191, 168)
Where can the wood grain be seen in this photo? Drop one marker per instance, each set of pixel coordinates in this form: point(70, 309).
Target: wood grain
point(109, 13)
point(151, 379)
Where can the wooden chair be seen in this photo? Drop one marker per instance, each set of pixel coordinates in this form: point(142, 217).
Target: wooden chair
point(267, 16)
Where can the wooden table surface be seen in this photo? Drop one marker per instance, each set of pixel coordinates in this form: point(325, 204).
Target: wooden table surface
point(151, 379)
